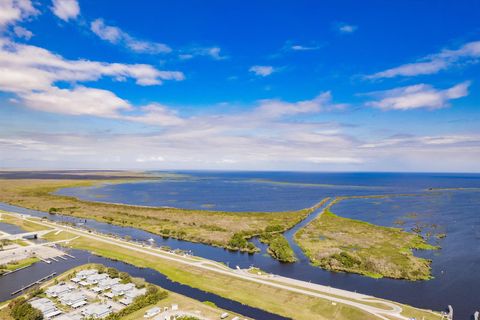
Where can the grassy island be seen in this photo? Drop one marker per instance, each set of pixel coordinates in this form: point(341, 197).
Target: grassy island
point(346, 245)
point(230, 230)
point(278, 247)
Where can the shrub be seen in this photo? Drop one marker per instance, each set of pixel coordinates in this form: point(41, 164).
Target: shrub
point(20, 309)
point(112, 272)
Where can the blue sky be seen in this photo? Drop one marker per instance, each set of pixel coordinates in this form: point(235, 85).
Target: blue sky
point(254, 85)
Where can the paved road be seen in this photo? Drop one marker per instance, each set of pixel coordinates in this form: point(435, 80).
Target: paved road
point(356, 300)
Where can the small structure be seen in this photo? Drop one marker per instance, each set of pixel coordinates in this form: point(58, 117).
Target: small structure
point(152, 312)
point(174, 307)
point(83, 283)
point(46, 307)
point(450, 312)
point(121, 289)
point(73, 298)
point(58, 290)
point(83, 274)
point(97, 310)
point(224, 315)
point(107, 283)
point(95, 278)
point(130, 295)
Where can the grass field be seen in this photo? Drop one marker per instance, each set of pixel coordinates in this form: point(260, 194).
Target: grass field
point(340, 244)
point(12, 266)
point(25, 225)
point(222, 229)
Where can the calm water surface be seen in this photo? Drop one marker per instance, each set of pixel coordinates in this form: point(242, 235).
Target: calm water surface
point(454, 212)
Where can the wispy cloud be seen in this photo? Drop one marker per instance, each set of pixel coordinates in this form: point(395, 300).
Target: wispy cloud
point(298, 47)
point(418, 96)
point(22, 32)
point(66, 9)
point(434, 63)
point(115, 35)
point(262, 71)
point(346, 28)
point(210, 52)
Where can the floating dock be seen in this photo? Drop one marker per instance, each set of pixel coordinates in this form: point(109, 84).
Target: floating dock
point(34, 283)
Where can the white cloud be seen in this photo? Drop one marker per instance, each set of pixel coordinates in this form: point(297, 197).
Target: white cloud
point(434, 63)
point(347, 28)
point(66, 9)
point(115, 35)
point(418, 96)
point(298, 47)
point(15, 10)
point(39, 68)
point(156, 114)
point(22, 32)
point(31, 73)
point(150, 159)
point(211, 52)
point(276, 108)
point(335, 160)
point(77, 101)
point(262, 71)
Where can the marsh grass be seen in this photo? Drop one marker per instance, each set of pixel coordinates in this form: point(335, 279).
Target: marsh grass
point(347, 245)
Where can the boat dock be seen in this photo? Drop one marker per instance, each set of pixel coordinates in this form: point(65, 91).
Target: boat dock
point(34, 283)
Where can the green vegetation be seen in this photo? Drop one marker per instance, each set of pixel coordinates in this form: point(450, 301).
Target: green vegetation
point(278, 247)
point(340, 244)
point(20, 309)
point(24, 224)
point(229, 230)
point(15, 265)
point(210, 303)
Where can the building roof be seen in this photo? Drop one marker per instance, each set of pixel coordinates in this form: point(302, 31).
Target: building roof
point(134, 292)
point(97, 277)
point(123, 287)
point(108, 282)
point(72, 297)
point(79, 304)
point(45, 305)
point(58, 289)
point(153, 311)
point(96, 310)
point(86, 273)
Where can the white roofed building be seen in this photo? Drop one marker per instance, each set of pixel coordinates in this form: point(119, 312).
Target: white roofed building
point(83, 274)
point(57, 290)
point(46, 307)
point(97, 310)
point(107, 283)
point(121, 289)
point(72, 298)
point(95, 278)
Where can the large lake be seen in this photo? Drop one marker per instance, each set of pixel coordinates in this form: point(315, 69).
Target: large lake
point(450, 210)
